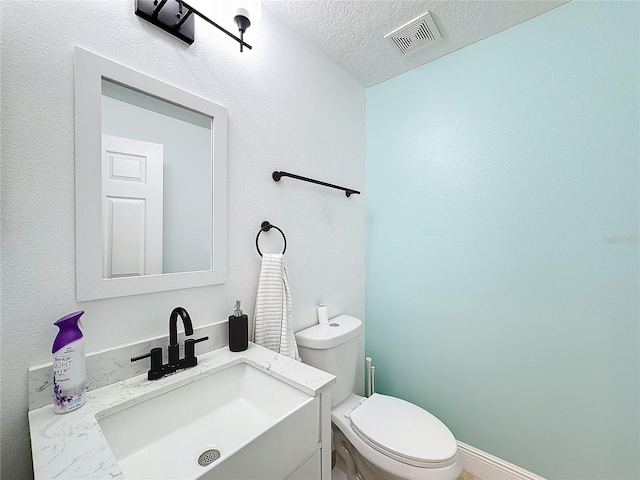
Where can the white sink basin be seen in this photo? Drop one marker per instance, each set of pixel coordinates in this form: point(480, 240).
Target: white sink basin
point(164, 436)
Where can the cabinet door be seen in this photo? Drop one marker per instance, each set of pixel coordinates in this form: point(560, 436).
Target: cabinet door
point(310, 470)
point(275, 453)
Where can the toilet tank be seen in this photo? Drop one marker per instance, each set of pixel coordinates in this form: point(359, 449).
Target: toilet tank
point(333, 347)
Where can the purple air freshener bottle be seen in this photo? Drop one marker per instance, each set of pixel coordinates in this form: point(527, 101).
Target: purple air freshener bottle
point(69, 370)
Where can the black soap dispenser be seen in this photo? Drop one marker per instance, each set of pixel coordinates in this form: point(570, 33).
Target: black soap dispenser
point(238, 330)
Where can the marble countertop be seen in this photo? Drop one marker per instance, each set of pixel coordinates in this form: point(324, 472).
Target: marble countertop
point(72, 445)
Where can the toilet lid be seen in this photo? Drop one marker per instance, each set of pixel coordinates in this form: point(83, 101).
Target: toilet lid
point(404, 431)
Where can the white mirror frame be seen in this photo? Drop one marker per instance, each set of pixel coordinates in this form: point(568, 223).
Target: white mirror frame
point(89, 71)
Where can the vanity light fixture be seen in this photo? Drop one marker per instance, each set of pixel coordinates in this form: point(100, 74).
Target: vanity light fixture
point(177, 17)
point(245, 13)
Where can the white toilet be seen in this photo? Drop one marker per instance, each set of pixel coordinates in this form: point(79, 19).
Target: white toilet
point(380, 437)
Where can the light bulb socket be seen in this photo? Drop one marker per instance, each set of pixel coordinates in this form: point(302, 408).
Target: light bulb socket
point(242, 22)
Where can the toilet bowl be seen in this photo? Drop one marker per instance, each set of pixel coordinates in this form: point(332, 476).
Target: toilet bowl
point(391, 439)
point(380, 437)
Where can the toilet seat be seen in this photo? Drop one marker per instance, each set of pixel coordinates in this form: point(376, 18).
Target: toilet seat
point(404, 431)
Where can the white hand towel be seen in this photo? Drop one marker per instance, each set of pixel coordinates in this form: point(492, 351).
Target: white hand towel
point(272, 326)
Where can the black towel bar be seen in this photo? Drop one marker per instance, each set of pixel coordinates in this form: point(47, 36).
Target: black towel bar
point(278, 175)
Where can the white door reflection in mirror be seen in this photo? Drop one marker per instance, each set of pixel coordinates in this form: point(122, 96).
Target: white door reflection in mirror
point(131, 207)
point(185, 136)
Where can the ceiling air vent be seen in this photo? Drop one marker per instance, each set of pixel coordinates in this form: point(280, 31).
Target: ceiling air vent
point(417, 33)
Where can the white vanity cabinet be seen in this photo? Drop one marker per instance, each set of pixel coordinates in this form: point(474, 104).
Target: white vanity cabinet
point(309, 470)
point(268, 417)
point(289, 450)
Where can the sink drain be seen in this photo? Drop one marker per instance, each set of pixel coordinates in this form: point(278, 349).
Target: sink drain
point(208, 457)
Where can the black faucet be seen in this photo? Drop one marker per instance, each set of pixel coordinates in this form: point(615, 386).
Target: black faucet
point(174, 348)
point(158, 370)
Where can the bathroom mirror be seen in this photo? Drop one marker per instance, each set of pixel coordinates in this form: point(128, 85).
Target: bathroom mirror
point(150, 183)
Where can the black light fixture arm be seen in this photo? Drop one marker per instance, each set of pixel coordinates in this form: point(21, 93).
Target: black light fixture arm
point(183, 17)
point(222, 29)
point(159, 5)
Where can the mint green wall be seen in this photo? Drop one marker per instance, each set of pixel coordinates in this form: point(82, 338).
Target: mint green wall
point(502, 242)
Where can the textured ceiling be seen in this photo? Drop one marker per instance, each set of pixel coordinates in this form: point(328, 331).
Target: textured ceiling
point(351, 32)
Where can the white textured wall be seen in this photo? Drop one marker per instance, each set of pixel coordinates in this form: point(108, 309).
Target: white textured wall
point(290, 108)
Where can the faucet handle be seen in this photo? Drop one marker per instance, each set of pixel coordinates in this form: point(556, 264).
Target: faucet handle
point(190, 359)
point(156, 363)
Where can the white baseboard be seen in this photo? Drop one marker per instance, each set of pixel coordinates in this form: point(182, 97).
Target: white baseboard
point(487, 467)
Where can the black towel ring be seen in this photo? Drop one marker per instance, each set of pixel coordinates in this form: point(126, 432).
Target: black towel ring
point(265, 227)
